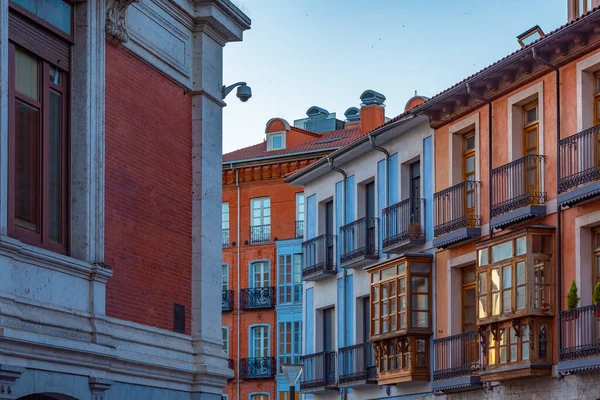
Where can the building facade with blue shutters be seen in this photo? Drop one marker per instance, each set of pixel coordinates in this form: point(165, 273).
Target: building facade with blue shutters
point(368, 271)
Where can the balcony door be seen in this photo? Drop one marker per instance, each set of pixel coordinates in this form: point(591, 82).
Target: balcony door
point(469, 176)
point(260, 231)
point(328, 333)
point(371, 214)
point(415, 193)
point(259, 342)
point(260, 275)
point(329, 230)
point(530, 147)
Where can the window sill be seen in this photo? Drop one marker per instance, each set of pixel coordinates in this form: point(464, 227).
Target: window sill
point(41, 257)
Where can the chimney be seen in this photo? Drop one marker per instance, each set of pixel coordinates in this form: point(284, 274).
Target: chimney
point(577, 8)
point(372, 112)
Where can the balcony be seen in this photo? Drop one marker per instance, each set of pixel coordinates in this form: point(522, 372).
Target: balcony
point(456, 363)
point(227, 300)
point(257, 298)
point(319, 261)
point(580, 342)
point(457, 216)
point(224, 238)
point(403, 225)
point(299, 229)
point(359, 242)
point(517, 191)
point(260, 234)
point(257, 368)
point(356, 365)
point(319, 372)
point(579, 163)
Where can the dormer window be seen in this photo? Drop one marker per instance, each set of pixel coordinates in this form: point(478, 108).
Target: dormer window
point(276, 141)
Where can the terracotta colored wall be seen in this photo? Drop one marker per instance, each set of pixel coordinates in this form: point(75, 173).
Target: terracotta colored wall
point(283, 226)
point(148, 211)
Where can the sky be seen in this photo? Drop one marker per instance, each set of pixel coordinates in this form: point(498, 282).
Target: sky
point(301, 53)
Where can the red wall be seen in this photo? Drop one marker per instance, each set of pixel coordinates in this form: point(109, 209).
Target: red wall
point(148, 209)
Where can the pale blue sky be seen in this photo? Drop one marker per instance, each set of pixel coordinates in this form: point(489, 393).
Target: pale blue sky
point(327, 52)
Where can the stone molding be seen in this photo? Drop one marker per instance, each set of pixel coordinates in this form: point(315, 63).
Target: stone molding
point(98, 387)
point(116, 26)
point(8, 376)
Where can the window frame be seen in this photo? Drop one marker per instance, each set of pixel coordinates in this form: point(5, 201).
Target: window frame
point(485, 266)
point(466, 154)
point(466, 286)
point(403, 273)
point(289, 283)
point(282, 354)
point(266, 271)
point(225, 281)
point(225, 331)
point(262, 209)
point(595, 257)
point(251, 340)
point(40, 21)
point(40, 238)
point(300, 212)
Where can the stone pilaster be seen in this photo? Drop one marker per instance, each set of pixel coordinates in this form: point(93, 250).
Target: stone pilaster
point(98, 388)
point(8, 377)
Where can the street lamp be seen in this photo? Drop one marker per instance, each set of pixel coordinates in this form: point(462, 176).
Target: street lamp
point(292, 372)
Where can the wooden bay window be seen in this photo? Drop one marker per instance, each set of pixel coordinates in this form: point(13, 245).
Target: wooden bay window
point(401, 318)
point(39, 58)
point(515, 292)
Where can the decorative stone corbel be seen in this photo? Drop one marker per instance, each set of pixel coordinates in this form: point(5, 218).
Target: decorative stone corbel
point(98, 387)
point(116, 29)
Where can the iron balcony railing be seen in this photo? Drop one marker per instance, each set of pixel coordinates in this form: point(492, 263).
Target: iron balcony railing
point(518, 184)
point(299, 229)
point(260, 234)
point(580, 333)
point(456, 207)
point(318, 254)
point(456, 356)
point(318, 371)
point(359, 239)
point(403, 221)
point(257, 298)
point(357, 363)
point(257, 368)
point(579, 159)
point(227, 300)
point(225, 237)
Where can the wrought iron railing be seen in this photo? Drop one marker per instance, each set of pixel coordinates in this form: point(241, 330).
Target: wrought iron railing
point(318, 254)
point(456, 207)
point(255, 298)
point(579, 159)
point(257, 368)
point(403, 221)
point(299, 229)
point(359, 239)
point(580, 333)
point(518, 184)
point(319, 370)
point(357, 363)
point(260, 234)
point(456, 356)
point(227, 300)
point(225, 237)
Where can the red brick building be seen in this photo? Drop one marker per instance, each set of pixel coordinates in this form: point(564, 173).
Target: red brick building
point(263, 227)
point(110, 135)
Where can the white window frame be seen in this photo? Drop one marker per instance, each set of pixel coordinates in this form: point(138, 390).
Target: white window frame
point(264, 219)
point(225, 330)
point(273, 135)
point(300, 206)
point(225, 213)
point(251, 348)
point(225, 277)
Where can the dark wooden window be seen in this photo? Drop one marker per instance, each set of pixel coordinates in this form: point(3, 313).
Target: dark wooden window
point(38, 128)
point(596, 256)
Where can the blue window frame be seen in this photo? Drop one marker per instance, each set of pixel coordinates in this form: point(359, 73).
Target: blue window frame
point(290, 279)
point(290, 342)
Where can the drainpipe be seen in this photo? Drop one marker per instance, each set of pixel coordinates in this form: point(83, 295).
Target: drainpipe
point(237, 361)
point(540, 60)
point(477, 96)
point(387, 175)
point(345, 273)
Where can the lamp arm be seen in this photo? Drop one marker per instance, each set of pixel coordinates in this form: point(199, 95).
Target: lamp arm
point(225, 90)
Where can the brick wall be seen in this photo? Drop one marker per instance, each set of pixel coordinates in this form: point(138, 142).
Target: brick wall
point(148, 192)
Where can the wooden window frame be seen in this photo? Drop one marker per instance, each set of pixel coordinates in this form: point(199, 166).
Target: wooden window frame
point(530, 260)
point(402, 273)
point(595, 256)
point(466, 154)
point(466, 286)
point(46, 25)
point(40, 238)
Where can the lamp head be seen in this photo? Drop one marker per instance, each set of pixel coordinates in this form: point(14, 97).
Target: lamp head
point(292, 372)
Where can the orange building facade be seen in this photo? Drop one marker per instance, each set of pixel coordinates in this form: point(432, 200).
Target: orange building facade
point(517, 217)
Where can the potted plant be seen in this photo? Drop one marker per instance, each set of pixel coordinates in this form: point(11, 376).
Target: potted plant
point(596, 299)
point(572, 301)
